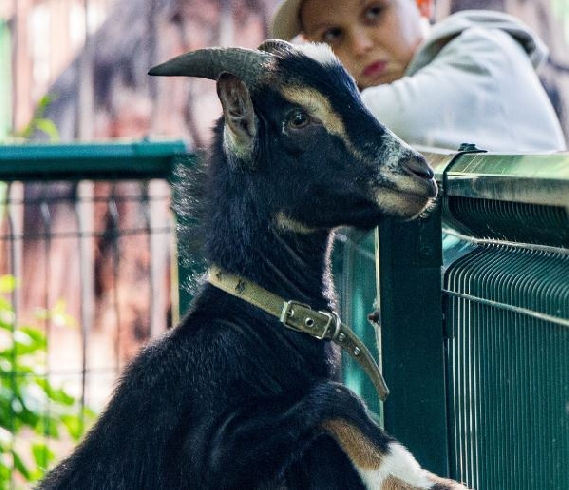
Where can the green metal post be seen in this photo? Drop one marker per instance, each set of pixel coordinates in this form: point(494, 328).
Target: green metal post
point(412, 338)
point(354, 270)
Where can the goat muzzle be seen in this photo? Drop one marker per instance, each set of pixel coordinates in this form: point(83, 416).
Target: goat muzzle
point(417, 166)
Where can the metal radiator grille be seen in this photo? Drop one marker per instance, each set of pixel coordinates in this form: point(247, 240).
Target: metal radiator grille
point(507, 320)
point(514, 221)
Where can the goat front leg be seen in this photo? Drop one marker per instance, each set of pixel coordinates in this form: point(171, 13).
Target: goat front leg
point(255, 444)
point(383, 468)
point(262, 444)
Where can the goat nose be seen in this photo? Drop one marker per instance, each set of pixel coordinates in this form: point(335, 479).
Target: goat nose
point(417, 166)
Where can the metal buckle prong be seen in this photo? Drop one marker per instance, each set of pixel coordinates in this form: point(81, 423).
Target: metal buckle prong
point(288, 312)
point(315, 323)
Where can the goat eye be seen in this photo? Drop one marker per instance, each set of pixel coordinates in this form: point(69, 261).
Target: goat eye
point(298, 120)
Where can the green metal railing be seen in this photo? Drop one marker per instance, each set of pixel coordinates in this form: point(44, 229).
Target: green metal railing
point(141, 159)
point(473, 305)
point(478, 364)
point(506, 290)
point(73, 215)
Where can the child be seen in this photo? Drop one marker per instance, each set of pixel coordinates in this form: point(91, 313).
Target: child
point(471, 79)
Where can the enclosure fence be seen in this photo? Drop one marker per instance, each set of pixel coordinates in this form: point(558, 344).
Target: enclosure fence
point(506, 307)
point(85, 267)
point(473, 306)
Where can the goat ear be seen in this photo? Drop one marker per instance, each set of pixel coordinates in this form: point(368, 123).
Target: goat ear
point(240, 121)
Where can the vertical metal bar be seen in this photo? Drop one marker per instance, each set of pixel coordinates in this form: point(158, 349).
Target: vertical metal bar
point(412, 337)
point(86, 104)
point(377, 308)
point(15, 214)
point(519, 358)
point(357, 293)
point(85, 213)
point(114, 233)
point(160, 255)
point(152, 60)
point(45, 236)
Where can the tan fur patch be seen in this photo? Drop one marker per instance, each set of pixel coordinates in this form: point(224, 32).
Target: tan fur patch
point(359, 448)
point(445, 483)
point(319, 107)
point(289, 224)
point(393, 483)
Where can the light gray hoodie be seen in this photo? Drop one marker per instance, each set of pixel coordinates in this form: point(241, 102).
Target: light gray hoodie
point(472, 80)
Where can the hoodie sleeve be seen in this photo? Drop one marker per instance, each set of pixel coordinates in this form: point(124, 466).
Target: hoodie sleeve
point(479, 88)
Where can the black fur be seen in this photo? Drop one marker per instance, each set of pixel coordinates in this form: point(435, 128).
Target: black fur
point(230, 399)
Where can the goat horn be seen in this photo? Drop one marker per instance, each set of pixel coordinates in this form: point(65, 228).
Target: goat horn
point(275, 46)
point(246, 64)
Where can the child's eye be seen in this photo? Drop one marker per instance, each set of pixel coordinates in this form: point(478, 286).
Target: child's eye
point(374, 12)
point(331, 35)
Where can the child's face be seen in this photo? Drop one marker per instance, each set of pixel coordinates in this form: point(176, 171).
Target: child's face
point(374, 39)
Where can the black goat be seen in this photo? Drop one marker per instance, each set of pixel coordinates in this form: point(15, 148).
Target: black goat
point(231, 398)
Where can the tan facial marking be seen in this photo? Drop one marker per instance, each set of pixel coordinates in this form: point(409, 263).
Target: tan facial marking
point(234, 146)
point(290, 224)
point(358, 447)
point(319, 107)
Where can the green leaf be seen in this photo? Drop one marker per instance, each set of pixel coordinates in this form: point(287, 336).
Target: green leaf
point(28, 341)
point(8, 283)
point(29, 402)
point(55, 394)
point(20, 465)
point(48, 425)
point(48, 127)
point(5, 469)
point(43, 454)
point(74, 425)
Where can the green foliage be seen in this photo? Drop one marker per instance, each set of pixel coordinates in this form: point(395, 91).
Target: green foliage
point(30, 405)
point(41, 123)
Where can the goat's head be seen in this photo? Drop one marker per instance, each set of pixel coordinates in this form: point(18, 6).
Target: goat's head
point(296, 129)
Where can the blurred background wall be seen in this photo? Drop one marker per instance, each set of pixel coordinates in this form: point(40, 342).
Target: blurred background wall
point(82, 66)
point(91, 57)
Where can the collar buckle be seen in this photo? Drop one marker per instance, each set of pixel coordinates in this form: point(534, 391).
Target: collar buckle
point(301, 318)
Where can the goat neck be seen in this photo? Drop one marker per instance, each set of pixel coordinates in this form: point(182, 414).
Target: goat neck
point(292, 265)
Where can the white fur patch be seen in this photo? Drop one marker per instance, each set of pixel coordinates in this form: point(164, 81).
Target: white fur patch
point(320, 52)
point(398, 463)
point(393, 150)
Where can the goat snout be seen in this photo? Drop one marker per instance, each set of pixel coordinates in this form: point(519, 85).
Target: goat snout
point(417, 166)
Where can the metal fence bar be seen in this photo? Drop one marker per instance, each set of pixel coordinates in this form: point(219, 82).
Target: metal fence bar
point(514, 343)
point(514, 202)
point(76, 161)
point(412, 338)
point(85, 225)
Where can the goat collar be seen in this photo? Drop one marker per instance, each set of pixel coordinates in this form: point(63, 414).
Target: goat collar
point(301, 318)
